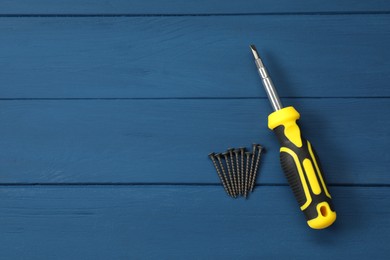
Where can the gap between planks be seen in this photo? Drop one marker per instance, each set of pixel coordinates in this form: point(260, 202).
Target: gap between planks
point(186, 98)
point(194, 15)
point(109, 184)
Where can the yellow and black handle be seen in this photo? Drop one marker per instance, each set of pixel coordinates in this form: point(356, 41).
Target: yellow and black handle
point(302, 169)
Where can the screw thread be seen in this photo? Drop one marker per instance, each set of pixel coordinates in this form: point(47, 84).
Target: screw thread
point(247, 173)
point(256, 167)
point(220, 176)
point(251, 168)
point(238, 172)
point(224, 173)
point(230, 175)
point(242, 171)
point(233, 170)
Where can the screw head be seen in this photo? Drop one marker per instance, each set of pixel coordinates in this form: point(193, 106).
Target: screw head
point(254, 147)
point(261, 148)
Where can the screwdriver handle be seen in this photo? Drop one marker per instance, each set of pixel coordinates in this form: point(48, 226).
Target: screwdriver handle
point(302, 169)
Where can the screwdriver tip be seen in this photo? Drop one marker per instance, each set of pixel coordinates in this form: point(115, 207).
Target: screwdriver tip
point(254, 51)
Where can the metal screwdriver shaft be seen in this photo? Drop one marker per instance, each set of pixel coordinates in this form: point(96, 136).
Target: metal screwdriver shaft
point(267, 82)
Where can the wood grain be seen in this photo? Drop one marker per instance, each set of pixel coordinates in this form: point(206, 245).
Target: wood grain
point(108, 110)
point(186, 223)
point(167, 141)
point(143, 57)
point(187, 7)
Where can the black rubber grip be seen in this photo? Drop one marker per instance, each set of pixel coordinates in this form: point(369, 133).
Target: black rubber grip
point(305, 176)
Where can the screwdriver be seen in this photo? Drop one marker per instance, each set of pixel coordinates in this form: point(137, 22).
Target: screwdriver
point(298, 159)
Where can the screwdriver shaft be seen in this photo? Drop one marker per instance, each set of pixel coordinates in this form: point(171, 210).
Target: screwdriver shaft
point(267, 82)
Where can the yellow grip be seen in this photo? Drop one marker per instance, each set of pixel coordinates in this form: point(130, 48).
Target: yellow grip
point(302, 169)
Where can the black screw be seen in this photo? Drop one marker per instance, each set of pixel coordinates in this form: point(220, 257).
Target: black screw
point(236, 152)
point(256, 166)
point(248, 156)
point(230, 174)
point(233, 169)
point(242, 150)
point(252, 166)
point(218, 156)
point(221, 177)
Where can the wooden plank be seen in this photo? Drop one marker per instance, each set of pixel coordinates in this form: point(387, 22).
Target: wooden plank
point(186, 223)
point(187, 7)
point(137, 57)
point(167, 141)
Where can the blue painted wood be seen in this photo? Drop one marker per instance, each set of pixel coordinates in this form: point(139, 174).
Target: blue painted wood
point(186, 223)
point(125, 57)
point(105, 146)
point(189, 7)
point(167, 141)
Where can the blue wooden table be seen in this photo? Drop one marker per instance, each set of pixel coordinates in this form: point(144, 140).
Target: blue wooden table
point(108, 110)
